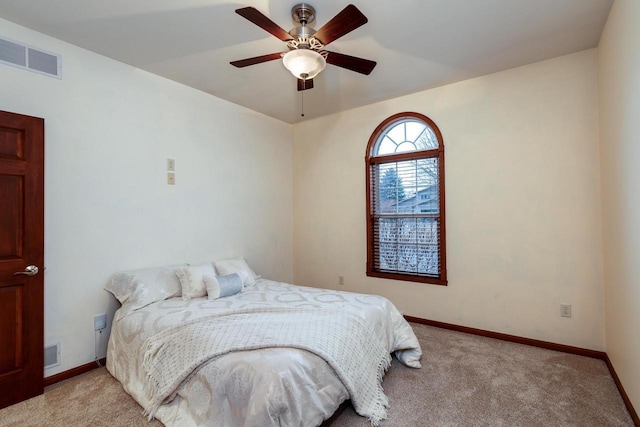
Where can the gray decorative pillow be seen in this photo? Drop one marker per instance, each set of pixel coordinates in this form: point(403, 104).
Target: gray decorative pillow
point(237, 265)
point(223, 286)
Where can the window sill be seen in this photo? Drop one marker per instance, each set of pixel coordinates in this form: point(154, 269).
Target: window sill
point(408, 278)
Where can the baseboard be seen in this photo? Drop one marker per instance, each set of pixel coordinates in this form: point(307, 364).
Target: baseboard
point(53, 379)
point(623, 394)
point(511, 338)
point(542, 344)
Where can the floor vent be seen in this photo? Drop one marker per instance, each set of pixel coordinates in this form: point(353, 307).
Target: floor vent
point(30, 58)
point(52, 355)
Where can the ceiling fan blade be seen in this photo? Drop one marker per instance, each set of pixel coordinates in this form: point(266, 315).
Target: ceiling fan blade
point(344, 22)
point(359, 65)
point(254, 15)
point(305, 84)
point(256, 60)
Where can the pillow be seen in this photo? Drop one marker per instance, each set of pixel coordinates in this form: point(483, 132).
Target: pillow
point(191, 280)
point(237, 265)
point(135, 289)
point(121, 286)
point(222, 286)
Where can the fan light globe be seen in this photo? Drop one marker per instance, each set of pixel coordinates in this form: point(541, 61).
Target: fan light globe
point(304, 63)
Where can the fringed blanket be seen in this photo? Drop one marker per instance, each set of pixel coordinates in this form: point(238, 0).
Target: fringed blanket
point(342, 339)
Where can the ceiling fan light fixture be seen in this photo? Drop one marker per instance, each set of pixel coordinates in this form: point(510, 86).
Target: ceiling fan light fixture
point(304, 63)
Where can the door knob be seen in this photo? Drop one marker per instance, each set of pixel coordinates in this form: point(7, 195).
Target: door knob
point(30, 270)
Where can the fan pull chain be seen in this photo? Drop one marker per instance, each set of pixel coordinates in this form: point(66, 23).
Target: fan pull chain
point(302, 109)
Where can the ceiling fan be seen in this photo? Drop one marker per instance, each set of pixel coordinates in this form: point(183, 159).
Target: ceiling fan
point(306, 56)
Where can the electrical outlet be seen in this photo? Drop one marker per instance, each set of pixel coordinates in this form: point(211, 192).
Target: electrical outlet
point(171, 164)
point(171, 178)
point(99, 322)
point(341, 280)
point(565, 310)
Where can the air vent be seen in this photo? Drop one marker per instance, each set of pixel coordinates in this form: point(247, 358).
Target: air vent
point(52, 355)
point(30, 58)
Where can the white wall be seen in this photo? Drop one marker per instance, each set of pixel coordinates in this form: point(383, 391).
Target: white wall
point(619, 72)
point(109, 129)
point(523, 202)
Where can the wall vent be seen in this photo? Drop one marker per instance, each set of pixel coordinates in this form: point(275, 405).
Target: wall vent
point(52, 355)
point(30, 58)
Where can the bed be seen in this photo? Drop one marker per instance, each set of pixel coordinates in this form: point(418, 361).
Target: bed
point(270, 354)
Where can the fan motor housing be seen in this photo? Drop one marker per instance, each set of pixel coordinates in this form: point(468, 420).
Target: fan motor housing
point(302, 32)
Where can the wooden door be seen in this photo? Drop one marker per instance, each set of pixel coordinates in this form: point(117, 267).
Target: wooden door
point(21, 251)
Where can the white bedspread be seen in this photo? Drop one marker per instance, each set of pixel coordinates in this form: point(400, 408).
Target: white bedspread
point(344, 340)
point(267, 387)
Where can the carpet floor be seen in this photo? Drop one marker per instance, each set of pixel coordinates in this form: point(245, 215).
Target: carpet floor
point(466, 380)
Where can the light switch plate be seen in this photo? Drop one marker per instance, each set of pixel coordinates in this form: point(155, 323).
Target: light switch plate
point(171, 178)
point(171, 164)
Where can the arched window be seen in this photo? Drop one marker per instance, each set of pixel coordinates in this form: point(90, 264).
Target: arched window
point(405, 200)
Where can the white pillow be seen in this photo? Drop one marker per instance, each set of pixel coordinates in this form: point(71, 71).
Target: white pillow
point(192, 280)
point(237, 265)
point(138, 288)
point(223, 286)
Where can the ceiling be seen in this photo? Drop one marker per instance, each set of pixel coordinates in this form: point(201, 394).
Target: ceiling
point(418, 44)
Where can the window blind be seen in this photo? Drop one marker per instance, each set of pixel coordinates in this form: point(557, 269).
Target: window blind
point(406, 216)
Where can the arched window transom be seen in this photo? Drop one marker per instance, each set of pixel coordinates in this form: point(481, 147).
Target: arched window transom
point(406, 135)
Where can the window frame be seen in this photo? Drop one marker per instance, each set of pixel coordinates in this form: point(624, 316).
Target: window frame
point(370, 161)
